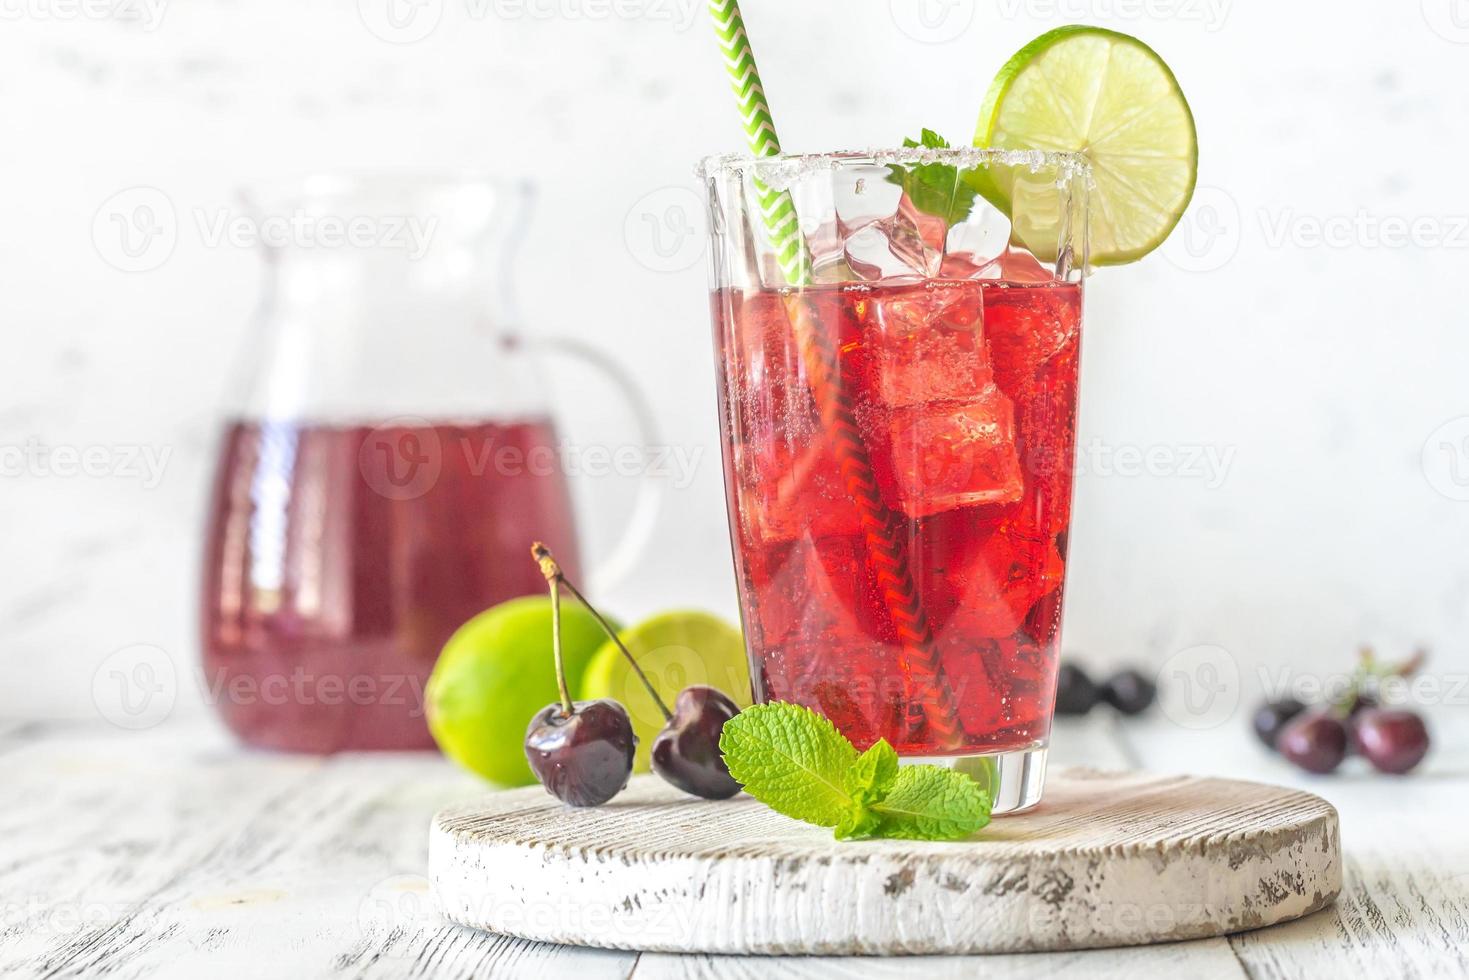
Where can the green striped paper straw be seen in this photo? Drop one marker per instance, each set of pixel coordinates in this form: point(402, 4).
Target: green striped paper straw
point(886, 547)
point(777, 208)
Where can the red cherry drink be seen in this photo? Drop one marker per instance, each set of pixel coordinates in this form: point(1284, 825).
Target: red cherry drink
point(340, 558)
point(964, 393)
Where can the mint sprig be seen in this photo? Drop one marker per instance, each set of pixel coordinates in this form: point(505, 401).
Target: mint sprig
point(791, 759)
point(795, 761)
point(930, 803)
point(935, 188)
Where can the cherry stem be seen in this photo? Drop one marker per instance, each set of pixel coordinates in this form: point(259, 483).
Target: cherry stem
point(554, 577)
point(566, 704)
point(1412, 665)
point(1370, 668)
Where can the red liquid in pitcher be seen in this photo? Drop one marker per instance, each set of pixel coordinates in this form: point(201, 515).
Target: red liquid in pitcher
point(341, 558)
point(964, 397)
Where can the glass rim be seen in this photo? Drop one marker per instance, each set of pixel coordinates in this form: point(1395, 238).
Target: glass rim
point(788, 168)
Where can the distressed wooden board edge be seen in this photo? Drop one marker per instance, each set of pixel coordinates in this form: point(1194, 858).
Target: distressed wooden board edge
point(882, 901)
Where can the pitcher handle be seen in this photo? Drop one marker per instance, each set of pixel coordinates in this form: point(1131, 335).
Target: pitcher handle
point(635, 538)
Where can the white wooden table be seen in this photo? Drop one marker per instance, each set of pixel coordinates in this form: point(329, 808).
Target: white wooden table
point(174, 853)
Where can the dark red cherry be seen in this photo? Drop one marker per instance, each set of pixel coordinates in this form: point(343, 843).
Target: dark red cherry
point(1393, 741)
point(1364, 702)
point(1129, 691)
point(686, 752)
point(1273, 716)
point(1076, 692)
point(583, 758)
point(1315, 741)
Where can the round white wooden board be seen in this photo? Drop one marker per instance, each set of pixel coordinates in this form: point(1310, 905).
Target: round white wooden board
point(1107, 859)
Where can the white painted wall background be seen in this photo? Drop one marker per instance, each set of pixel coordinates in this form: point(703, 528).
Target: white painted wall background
point(1322, 370)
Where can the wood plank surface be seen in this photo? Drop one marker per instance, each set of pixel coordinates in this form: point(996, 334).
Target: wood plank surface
point(174, 853)
point(1204, 959)
point(1404, 907)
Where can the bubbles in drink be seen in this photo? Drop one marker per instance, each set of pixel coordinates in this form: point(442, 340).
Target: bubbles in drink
point(964, 393)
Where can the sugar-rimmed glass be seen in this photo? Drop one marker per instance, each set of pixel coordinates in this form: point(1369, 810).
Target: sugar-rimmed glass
point(898, 437)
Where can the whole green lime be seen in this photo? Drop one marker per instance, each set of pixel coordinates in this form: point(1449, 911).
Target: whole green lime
point(674, 649)
point(497, 671)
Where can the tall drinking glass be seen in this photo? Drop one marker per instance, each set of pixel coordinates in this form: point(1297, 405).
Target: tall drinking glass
point(899, 434)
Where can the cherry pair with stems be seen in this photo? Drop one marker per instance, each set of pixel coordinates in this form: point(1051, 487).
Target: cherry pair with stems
point(582, 751)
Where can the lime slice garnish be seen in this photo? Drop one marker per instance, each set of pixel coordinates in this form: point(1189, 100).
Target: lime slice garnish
point(675, 649)
point(1109, 96)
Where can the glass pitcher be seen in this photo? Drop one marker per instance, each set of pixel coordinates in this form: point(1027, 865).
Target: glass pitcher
point(389, 459)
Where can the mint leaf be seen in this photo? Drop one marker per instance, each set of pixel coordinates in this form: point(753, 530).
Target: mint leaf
point(859, 822)
point(870, 778)
point(934, 188)
point(795, 761)
point(792, 760)
point(867, 781)
point(930, 803)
